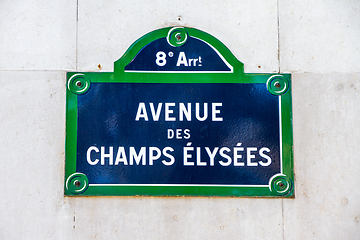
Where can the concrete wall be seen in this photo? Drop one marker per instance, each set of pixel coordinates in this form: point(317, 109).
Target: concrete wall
point(316, 41)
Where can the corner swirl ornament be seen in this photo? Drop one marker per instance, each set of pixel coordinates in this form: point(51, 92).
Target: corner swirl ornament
point(78, 84)
point(177, 36)
point(77, 183)
point(277, 85)
point(281, 185)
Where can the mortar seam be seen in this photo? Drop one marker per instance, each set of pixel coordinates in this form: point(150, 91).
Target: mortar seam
point(278, 35)
point(77, 32)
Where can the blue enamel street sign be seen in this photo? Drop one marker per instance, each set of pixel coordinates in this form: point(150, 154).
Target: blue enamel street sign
point(178, 116)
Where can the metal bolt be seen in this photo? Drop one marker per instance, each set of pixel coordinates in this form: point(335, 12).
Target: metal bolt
point(277, 85)
point(178, 37)
point(281, 185)
point(77, 183)
point(78, 83)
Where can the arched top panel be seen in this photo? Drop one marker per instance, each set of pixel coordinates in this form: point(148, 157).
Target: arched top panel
point(178, 50)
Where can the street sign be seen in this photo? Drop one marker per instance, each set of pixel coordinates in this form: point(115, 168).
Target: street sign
point(178, 116)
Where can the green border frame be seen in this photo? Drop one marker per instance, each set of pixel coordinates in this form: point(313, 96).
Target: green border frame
point(281, 186)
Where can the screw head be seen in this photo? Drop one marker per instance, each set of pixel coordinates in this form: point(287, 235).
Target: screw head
point(77, 183)
point(178, 36)
point(277, 85)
